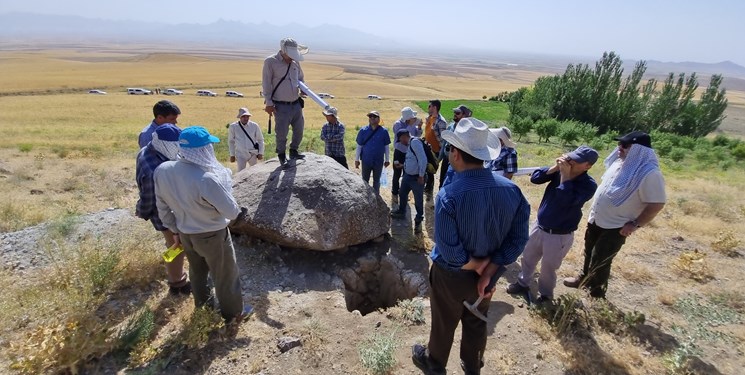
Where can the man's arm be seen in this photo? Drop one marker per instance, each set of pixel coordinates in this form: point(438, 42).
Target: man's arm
point(146, 204)
point(266, 81)
point(259, 138)
point(215, 194)
point(340, 136)
point(164, 211)
point(440, 125)
point(231, 140)
point(543, 175)
point(646, 217)
point(514, 242)
point(325, 132)
point(418, 149)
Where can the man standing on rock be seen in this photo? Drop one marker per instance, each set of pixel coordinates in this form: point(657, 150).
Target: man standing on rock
point(332, 133)
point(280, 79)
point(195, 201)
point(372, 150)
point(415, 169)
point(413, 125)
point(436, 124)
point(245, 141)
point(164, 112)
point(481, 225)
point(631, 194)
point(162, 148)
point(552, 235)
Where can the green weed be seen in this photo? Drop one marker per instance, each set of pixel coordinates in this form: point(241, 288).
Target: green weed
point(377, 353)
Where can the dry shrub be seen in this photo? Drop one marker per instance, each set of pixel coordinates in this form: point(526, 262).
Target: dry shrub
point(408, 311)
point(726, 243)
point(693, 265)
point(635, 273)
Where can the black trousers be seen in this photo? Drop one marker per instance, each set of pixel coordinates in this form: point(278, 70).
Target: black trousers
point(601, 246)
point(401, 157)
point(448, 291)
point(341, 159)
point(443, 169)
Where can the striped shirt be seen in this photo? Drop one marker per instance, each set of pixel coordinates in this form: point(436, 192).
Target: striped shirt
point(479, 214)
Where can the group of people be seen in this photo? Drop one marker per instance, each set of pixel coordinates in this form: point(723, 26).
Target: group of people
point(481, 218)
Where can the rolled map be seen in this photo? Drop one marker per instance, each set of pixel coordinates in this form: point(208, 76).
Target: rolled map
point(304, 88)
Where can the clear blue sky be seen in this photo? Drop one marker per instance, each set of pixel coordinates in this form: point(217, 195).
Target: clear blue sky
point(667, 30)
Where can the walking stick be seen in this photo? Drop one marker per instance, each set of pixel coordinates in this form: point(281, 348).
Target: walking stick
point(270, 123)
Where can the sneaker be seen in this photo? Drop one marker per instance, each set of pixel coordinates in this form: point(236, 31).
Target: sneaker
point(418, 228)
point(467, 372)
point(396, 214)
point(543, 299)
point(428, 195)
point(421, 360)
point(296, 155)
point(572, 282)
point(186, 289)
point(282, 158)
point(516, 288)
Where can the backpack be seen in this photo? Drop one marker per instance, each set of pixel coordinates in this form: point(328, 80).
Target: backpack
point(432, 161)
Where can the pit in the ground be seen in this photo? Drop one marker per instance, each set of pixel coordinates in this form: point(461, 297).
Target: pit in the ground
point(378, 283)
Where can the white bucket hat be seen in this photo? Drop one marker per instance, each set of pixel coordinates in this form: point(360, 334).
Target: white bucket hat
point(474, 138)
point(293, 49)
point(331, 111)
point(243, 112)
point(407, 113)
point(505, 135)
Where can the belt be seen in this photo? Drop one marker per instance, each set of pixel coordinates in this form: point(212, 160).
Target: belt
point(288, 103)
point(554, 231)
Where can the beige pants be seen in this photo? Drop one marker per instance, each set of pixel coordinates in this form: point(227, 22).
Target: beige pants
point(241, 161)
point(552, 248)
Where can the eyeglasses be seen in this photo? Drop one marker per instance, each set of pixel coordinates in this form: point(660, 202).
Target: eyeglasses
point(372, 116)
point(449, 148)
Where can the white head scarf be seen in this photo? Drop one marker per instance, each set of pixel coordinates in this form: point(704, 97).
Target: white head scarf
point(637, 164)
point(166, 148)
point(205, 157)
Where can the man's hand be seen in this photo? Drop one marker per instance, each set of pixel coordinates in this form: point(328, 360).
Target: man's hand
point(386, 164)
point(420, 180)
point(357, 164)
point(628, 228)
point(482, 284)
point(269, 109)
point(232, 159)
point(478, 265)
point(239, 218)
point(176, 240)
point(260, 157)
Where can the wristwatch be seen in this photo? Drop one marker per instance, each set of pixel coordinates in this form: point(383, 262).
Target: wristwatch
point(635, 224)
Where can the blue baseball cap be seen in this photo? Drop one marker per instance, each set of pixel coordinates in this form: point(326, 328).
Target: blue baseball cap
point(168, 132)
point(584, 154)
point(196, 136)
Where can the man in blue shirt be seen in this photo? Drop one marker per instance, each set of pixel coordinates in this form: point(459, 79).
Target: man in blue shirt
point(481, 225)
point(410, 122)
point(551, 237)
point(414, 170)
point(372, 150)
point(165, 112)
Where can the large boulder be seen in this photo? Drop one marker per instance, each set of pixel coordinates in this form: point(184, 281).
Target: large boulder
point(313, 203)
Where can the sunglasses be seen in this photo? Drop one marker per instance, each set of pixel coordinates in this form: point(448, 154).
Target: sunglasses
point(372, 116)
point(449, 148)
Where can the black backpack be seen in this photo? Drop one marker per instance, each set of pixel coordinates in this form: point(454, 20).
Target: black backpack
point(431, 158)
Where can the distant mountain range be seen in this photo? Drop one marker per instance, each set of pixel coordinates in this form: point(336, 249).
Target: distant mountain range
point(240, 35)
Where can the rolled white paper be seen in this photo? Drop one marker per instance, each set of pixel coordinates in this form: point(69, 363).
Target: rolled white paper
point(313, 95)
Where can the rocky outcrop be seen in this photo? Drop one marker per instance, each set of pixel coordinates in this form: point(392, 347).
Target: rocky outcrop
point(313, 204)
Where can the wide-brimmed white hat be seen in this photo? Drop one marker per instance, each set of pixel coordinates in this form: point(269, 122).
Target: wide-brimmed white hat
point(474, 138)
point(243, 112)
point(505, 135)
point(293, 49)
point(407, 113)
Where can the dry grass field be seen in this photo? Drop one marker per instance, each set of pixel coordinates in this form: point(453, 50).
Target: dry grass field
point(64, 153)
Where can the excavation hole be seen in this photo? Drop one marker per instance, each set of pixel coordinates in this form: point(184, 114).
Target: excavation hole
point(379, 283)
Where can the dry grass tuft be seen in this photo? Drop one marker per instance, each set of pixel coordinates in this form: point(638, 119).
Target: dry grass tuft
point(726, 243)
point(693, 265)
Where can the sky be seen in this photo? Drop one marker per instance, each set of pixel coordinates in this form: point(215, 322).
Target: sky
point(665, 30)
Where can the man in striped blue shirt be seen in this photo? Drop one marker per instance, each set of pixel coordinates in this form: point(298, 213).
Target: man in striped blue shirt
point(481, 224)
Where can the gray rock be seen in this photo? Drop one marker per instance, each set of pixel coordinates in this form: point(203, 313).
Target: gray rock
point(286, 343)
point(313, 204)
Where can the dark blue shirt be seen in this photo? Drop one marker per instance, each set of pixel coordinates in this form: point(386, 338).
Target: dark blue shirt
point(561, 206)
point(146, 135)
point(482, 215)
point(373, 145)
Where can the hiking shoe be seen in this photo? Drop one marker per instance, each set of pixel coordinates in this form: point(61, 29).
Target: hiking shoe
point(421, 360)
point(572, 282)
point(282, 158)
point(543, 299)
point(470, 372)
point(396, 214)
point(516, 288)
point(186, 289)
point(418, 228)
point(296, 155)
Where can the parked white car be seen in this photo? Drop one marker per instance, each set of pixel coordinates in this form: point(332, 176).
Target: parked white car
point(233, 94)
point(205, 93)
point(325, 95)
point(97, 92)
point(374, 97)
point(139, 91)
point(172, 92)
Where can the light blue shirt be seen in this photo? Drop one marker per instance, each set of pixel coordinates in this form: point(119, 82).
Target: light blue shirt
point(416, 161)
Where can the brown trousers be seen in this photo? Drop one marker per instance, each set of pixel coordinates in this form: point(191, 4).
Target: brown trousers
point(448, 291)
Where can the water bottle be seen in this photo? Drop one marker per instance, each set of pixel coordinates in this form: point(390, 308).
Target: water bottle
point(384, 178)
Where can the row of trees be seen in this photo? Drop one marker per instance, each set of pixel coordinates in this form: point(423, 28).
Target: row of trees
point(604, 99)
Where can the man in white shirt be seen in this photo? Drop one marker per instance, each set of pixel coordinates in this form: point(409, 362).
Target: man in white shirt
point(631, 194)
point(245, 141)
